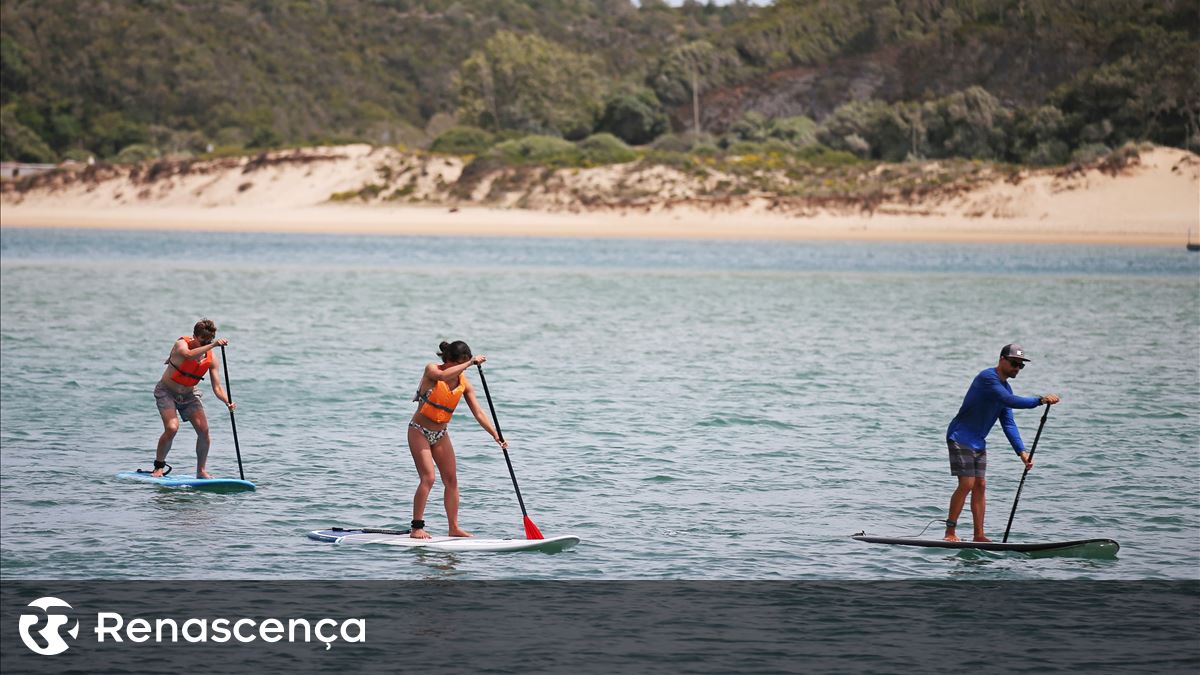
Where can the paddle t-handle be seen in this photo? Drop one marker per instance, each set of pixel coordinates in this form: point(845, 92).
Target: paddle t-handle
point(232, 422)
point(531, 530)
point(1026, 472)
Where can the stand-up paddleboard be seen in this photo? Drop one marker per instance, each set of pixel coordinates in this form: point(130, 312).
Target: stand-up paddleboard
point(337, 535)
point(1086, 548)
point(177, 481)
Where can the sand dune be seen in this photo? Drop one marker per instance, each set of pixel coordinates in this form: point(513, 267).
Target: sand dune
point(1151, 202)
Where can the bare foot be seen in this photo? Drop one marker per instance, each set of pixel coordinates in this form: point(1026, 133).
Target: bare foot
point(950, 536)
point(982, 539)
point(157, 473)
point(459, 532)
point(201, 473)
point(419, 533)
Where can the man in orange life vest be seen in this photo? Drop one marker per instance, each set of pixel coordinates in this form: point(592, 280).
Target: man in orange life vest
point(190, 359)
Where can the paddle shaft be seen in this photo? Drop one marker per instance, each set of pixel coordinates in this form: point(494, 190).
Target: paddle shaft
point(512, 474)
point(232, 422)
point(1026, 472)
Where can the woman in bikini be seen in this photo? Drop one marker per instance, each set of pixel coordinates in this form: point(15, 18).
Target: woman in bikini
point(442, 386)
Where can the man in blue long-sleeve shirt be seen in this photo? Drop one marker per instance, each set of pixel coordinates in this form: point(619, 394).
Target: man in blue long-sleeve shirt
point(989, 398)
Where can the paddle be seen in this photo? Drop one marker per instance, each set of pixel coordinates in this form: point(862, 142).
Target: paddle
point(531, 530)
point(232, 421)
point(1031, 451)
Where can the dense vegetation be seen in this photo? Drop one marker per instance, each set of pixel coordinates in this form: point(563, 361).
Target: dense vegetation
point(571, 82)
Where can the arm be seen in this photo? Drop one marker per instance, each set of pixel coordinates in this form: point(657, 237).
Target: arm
point(450, 374)
point(214, 375)
point(484, 421)
point(1010, 430)
point(189, 354)
point(1001, 393)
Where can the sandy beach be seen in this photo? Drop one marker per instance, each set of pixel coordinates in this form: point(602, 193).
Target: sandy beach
point(1156, 202)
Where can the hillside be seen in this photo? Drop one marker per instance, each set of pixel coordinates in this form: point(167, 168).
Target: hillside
point(140, 80)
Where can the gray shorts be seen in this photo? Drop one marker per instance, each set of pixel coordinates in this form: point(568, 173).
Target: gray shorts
point(967, 462)
point(187, 404)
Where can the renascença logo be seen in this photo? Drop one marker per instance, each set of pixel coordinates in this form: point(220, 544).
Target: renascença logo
point(111, 626)
point(50, 633)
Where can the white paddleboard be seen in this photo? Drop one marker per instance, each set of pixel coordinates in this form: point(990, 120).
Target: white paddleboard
point(338, 535)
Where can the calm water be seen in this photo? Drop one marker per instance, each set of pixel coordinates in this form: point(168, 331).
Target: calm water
point(693, 410)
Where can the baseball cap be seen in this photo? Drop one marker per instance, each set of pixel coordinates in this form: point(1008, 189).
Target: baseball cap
point(1013, 351)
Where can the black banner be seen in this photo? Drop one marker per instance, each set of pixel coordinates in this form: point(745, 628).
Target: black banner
point(603, 627)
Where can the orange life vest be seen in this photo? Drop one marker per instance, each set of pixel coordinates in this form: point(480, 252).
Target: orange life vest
point(190, 372)
point(438, 403)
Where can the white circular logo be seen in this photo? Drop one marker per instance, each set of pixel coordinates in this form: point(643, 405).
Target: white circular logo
point(50, 633)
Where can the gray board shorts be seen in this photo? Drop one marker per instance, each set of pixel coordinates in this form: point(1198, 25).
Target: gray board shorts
point(187, 404)
point(966, 462)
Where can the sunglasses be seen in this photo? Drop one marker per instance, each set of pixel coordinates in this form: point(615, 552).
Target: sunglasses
point(1016, 363)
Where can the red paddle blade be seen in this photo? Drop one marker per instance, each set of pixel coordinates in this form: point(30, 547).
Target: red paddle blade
point(531, 530)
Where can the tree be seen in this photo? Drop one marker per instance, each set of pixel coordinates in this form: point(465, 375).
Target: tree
point(636, 118)
point(870, 129)
point(969, 123)
point(529, 84)
point(19, 142)
point(697, 64)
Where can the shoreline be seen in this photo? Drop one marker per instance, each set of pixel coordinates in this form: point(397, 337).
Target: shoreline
point(682, 224)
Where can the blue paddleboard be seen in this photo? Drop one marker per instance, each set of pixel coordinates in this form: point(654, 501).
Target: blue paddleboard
point(185, 481)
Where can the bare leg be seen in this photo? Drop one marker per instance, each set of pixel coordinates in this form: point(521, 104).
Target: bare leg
point(966, 485)
point(419, 447)
point(200, 423)
point(978, 507)
point(443, 454)
point(170, 420)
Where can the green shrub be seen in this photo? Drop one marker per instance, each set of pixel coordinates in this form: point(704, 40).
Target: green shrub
point(78, 155)
point(138, 152)
point(796, 131)
point(1090, 153)
point(1048, 153)
point(779, 146)
point(751, 127)
point(545, 150)
point(634, 118)
point(463, 141)
point(683, 142)
point(824, 156)
point(605, 148)
point(746, 148)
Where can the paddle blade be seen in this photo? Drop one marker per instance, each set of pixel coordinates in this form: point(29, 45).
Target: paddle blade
point(531, 530)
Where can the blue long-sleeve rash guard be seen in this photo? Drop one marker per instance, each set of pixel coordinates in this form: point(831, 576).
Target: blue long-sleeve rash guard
point(988, 399)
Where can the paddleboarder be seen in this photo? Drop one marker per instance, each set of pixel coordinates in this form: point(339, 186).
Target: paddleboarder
point(176, 396)
point(989, 398)
point(442, 386)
